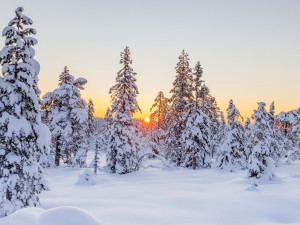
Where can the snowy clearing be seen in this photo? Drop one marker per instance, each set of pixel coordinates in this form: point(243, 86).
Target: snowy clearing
point(178, 197)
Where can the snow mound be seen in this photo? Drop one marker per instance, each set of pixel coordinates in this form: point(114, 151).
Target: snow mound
point(252, 188)
point(56, 216)
point(26, 216)
point(67, 216)
point(87, 178)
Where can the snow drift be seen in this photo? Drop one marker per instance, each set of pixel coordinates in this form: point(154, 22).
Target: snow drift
point(55, 216)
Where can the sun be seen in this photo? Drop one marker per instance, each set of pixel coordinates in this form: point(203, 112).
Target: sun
point(147, 120)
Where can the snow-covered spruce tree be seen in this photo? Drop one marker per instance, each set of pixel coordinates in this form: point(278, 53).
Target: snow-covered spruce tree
point(222, 129)
point(260, 163)
point(66, 116)
point(122, 144)
point(96, 157)
point(208, 105)
point(91, 127)
point(181, 101)
point(160, 109)
point(276, 149)
point(91, 130)
point(196, 139)
point(247, 137)
point(196, 134)
point(23, 138)
point(232, 154)
point(288, 124)
point(213, 115)
point(108, 121)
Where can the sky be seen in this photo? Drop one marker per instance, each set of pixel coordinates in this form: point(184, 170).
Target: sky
point(249, 50)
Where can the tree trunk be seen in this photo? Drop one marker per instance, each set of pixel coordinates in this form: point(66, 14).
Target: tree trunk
point(57, 151)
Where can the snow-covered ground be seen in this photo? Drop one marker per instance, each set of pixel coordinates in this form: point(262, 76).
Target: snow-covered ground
point(160, 196)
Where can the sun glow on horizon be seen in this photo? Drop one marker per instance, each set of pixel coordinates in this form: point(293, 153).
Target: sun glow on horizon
point(147, 120)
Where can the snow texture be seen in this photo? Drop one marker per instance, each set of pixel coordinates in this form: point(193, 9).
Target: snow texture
point(55, 216)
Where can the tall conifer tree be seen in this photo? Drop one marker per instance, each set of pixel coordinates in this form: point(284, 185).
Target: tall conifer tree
point(260, 161)
point(232, 152)
point(122, 144)
point(160, 109)
point(196, 134)
point(23, 137)
point(181, 101)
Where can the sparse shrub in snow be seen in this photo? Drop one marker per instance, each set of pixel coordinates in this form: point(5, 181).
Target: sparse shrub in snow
point(24, 139)
point(96, 157)
point(122, 144)
point(232, 152)
point(66, 116)
point(181, 101)
point(87, 177)
point(261, 164)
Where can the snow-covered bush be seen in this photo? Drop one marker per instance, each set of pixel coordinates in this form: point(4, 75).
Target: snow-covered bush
point(87, 177)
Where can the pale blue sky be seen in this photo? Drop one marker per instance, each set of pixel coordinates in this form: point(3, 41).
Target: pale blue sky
point(250, 50)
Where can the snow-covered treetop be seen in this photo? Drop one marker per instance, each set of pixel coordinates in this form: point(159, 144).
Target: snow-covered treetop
point(125, 57)
point(158, 100)
point(233, 113)
point(272, 109)
point(161, 103)
point(261, 124)
point(17, 56)
point(108, 113)
point(65, 98)
point(19, 69)
point(222, 117)
point(160, 109)
point(182, 92)
point(17, 39)
point(247, 123)
point(261, 110)
point(90, 109)
point(198, 71)
point(66, 78)
point(125, 91)
point(292, 117)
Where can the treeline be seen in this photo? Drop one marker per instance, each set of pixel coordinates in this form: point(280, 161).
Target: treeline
point(187, 129)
